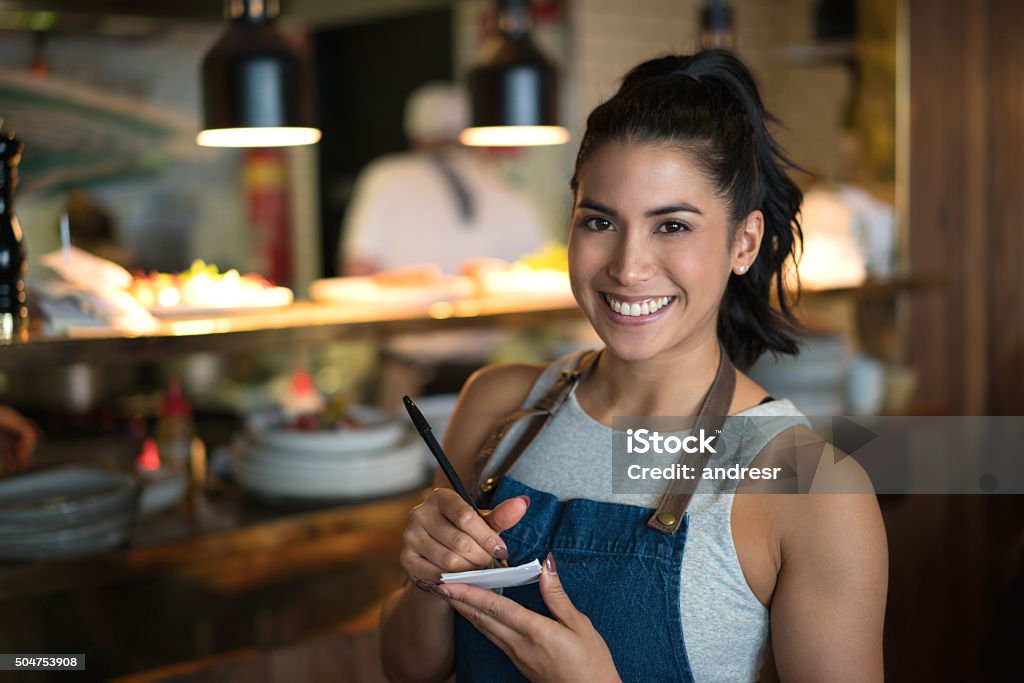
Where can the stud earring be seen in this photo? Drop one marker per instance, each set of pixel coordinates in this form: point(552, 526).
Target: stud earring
point(743, 269)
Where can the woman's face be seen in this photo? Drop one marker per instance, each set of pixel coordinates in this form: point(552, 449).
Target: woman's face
point(649, 250)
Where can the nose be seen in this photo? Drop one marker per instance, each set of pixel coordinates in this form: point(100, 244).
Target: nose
point(633, 261)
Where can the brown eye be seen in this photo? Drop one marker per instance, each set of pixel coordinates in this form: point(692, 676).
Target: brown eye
point(597, 224)
point(673, 227)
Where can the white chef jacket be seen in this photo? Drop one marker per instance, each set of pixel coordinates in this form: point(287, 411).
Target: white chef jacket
point(404, 211)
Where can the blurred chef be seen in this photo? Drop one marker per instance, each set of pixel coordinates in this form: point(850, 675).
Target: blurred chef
point(438, 203)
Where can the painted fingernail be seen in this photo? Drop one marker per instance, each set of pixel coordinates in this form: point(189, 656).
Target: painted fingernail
point(549, 564)
point(440, 592)
point(500, 551)
point(424, 585)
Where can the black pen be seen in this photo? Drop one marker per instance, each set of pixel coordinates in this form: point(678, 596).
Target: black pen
point(423, 427)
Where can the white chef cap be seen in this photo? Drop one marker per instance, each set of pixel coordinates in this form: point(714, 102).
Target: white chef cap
point(436, 112)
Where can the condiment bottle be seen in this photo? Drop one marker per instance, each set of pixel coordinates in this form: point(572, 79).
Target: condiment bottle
point(148, 461)
point(175, 430)
point(302, 403)
point(13, 301)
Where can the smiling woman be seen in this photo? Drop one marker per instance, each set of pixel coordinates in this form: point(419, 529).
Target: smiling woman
point(683, 218)
point(650, 232)
point(687, 158)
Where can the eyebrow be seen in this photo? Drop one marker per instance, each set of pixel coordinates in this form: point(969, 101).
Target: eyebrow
point(682, 207)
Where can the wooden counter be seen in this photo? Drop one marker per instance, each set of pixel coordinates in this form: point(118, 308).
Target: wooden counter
point(276, 581)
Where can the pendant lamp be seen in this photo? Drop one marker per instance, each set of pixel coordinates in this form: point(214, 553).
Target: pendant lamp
point(513, 87)
point(716, 30)
point(256, 91)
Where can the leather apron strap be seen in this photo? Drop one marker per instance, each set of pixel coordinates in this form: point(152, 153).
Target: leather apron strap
point(711, 417)
point(675, 500)
point(540, 415)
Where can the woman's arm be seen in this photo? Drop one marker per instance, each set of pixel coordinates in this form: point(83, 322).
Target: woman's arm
point(828, 607)
point(416, 627)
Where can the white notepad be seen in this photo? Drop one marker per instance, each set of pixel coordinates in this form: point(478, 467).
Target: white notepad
point(502, 577)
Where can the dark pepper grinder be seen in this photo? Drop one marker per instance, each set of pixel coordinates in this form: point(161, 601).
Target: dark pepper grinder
point(13, 304)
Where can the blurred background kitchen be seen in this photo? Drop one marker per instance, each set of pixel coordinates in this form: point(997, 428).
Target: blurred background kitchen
point(222, 476)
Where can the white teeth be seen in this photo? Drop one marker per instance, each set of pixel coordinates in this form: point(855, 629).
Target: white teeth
point(647, 307)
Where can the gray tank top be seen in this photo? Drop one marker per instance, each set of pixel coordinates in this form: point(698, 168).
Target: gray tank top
point(725, 625)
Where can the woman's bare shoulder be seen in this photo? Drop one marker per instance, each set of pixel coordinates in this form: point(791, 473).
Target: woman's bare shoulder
point(828, 497)
point(489, 395)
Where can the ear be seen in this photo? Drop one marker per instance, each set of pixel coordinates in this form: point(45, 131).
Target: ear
point(747, 242)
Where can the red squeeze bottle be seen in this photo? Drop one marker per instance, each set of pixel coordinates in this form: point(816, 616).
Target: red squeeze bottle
point(174, 429)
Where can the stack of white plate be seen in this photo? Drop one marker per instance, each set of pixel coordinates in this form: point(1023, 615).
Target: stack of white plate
point(65, 512)
point(814, 381)
point(287, 465)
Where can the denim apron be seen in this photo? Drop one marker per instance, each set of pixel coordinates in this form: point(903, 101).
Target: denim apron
point(618, 565)
point(616, 570)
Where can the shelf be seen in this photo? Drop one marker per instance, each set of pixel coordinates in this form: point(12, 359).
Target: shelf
point(310, 323)
point(879, 289)
point(300, 323)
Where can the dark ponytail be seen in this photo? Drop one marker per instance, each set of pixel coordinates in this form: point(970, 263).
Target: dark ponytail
point(708, 104)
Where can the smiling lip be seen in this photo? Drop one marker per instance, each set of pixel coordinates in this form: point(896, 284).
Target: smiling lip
point(633, 299)
point(635, 309)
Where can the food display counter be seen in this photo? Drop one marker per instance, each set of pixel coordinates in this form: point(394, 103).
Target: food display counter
point(308, 323)
point(225, 575)
point(267, 329)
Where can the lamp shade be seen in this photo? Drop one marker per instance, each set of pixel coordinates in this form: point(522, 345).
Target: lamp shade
point(255, 86)
point(513, 89)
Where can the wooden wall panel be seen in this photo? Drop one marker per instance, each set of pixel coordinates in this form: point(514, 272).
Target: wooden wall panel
point(938, 143)
point(956, 559)
point(967, 203)
point(1005, 201)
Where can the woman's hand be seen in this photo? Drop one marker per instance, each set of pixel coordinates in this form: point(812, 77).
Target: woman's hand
point(445, 534)
point(566, 648)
